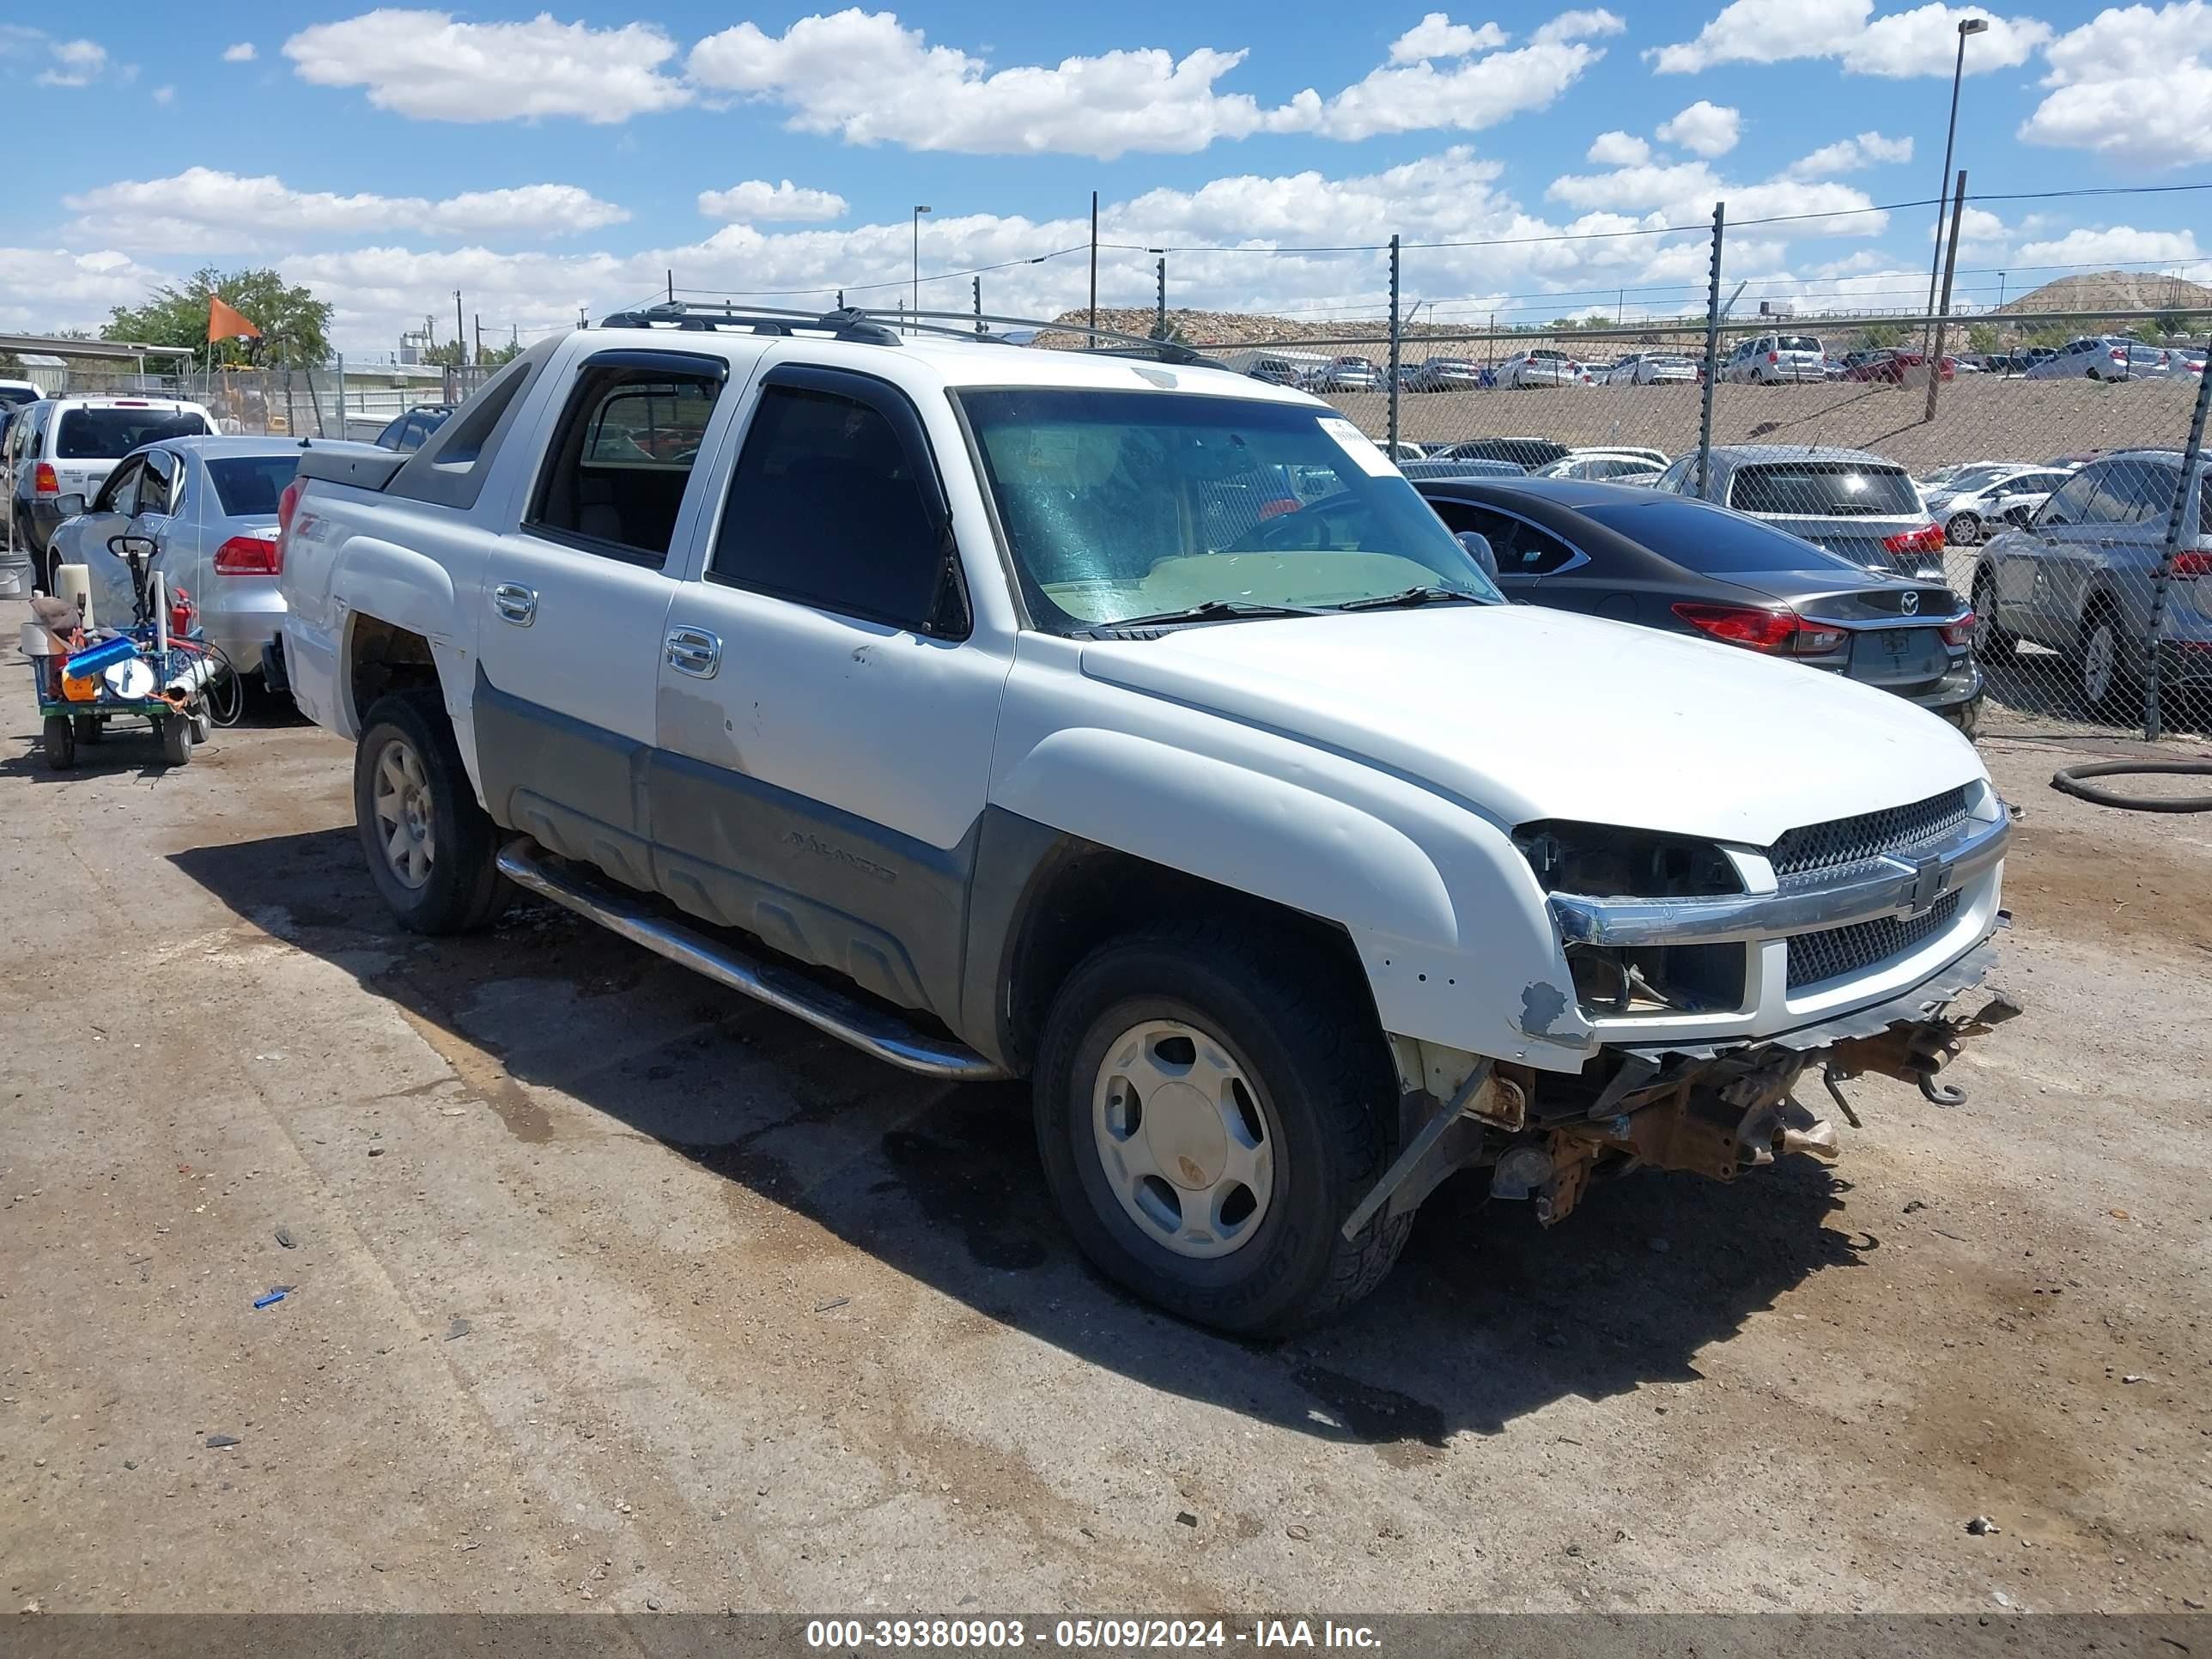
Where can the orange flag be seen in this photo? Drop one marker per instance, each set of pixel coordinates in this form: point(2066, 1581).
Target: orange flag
point(224, 324)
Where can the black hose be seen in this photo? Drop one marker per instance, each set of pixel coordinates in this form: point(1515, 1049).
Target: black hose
point(2069, 781)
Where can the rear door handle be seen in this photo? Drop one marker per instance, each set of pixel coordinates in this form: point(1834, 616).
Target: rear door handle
point(515, 604)
point(694, 651)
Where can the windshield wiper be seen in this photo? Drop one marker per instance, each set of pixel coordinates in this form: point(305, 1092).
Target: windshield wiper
point(1411, 596)
point(1207, 610)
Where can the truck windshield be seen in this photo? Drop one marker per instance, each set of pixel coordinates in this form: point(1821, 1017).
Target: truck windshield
point(1123, 504)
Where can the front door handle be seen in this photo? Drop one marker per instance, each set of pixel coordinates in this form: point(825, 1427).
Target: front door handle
point(694, 651)
point(515, 604)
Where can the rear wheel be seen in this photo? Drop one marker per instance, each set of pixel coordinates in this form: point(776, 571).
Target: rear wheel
point(58, 737)
point(1991, 642)
point(176, 735)
point(88, 729)
point(1208, 1114)
point(431, 848)
point(1963, 530)
point(2107, 674)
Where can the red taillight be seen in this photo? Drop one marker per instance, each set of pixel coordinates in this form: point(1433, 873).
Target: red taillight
point(1928, 538)
point(1960, 632)
point(249, 556)
point(1760, 629)
point(44, 480)
point(287, 504)
point(1773, 356)
point(2118, 355)
point(2188, 566)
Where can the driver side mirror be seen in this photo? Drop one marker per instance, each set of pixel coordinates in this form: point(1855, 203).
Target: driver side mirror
point(1478, 549)
point(71, 507)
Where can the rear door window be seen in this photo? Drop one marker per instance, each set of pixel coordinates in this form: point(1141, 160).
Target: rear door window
point(2071, 504)
point(1825, 490)
point(621, 457)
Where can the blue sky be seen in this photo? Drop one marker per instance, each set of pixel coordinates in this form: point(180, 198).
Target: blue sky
point(544, 161)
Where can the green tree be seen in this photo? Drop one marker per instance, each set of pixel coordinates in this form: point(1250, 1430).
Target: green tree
point(295, 325)
point(1880, 336)
point(498, 356)
point(1982, 338)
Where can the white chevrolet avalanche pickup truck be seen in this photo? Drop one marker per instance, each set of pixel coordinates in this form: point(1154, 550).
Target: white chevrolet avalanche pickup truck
point(1131, 726)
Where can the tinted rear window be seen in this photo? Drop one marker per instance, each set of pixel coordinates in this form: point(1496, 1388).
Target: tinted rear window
point(1799, 343)
point(17, 394)
point(247, 486)
point(1712, 539)
point(1828, 489)
point(109, 434)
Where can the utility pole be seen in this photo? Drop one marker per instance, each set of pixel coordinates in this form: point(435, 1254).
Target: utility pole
point(1966, 26)
point(918, 212)
point(460, 332)
point(1160, 297)
point(479, 339)
point(979, 330)
point(671, 285)
point(1943, 313)
point(1092, 339)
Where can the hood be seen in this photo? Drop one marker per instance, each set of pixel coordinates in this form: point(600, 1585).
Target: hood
point(1524, 714)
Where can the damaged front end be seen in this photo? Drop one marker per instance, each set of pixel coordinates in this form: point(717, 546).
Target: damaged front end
point(1718, 979)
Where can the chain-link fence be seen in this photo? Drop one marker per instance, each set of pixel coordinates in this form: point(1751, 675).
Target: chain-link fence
point(318, 402)
point(2047, 504)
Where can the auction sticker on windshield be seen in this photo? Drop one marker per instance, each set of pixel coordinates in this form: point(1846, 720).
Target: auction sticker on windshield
point(1358, 445)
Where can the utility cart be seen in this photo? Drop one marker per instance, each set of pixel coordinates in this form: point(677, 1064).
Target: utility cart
point(77, 709)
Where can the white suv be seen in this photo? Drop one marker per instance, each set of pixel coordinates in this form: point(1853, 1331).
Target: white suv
point(1133, 727)
point(60, 450)
point(1776, 360)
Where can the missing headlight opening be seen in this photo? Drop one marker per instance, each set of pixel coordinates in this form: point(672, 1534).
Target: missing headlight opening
point(1601, 861)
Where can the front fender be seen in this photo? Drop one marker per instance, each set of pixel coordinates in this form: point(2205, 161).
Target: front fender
point(1448, 921)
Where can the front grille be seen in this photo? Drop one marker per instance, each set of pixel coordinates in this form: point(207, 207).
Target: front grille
point(1818, 849)
point(1815, 958)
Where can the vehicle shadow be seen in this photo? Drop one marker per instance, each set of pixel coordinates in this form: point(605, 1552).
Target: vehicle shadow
point(1488, 1318)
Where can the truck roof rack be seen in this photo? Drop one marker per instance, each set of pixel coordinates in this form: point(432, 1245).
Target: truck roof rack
point(881, 327)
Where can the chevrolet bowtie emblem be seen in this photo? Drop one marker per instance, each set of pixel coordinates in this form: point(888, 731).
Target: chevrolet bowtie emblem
point(1931, 878)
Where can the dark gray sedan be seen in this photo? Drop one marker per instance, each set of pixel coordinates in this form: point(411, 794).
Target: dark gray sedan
point(1675, 562)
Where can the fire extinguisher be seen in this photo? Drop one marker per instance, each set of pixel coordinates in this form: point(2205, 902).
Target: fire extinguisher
point(180, 613)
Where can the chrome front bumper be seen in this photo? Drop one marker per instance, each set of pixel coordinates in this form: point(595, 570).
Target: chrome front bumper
point(1885, 887)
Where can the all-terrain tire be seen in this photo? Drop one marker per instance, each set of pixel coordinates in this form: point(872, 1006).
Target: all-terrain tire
point(461, 889)
point(1326, 1088)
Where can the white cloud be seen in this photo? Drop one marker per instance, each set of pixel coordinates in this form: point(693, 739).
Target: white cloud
point(864, 77)
point(1471, 93)
point(757, 202)
point(76, 64)
point(1618, 149)
point(1848, 154)
point(46, 288)
point(242, 52)
point(1921, 41)
point(1704, 129)
point(2113, 245)
point(165, 95)
point(1437, 36)
point(203, 208)
point(425, 64)
point(2133, 84)
point(1683, 193)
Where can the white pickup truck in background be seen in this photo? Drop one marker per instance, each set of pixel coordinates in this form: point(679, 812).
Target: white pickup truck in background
point(1133, 727)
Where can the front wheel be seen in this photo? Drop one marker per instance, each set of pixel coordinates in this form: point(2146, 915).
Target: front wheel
point(176, 739)
point(1208, 1112)
point(58, 737)
point(431, 848)
point(1965, 530)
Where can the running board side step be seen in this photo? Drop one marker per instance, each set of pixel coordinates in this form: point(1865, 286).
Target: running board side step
point(871, 1030)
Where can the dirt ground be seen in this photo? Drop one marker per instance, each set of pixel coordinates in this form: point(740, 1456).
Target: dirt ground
point(610, 1290)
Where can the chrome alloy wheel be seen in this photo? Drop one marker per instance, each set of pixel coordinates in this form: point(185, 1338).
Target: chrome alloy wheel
point(406, 820)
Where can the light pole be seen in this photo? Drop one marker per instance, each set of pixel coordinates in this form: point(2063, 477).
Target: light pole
point(1966, 26)
point(918, 212)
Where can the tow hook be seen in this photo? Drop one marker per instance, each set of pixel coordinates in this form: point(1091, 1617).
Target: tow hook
point(1913, 1051)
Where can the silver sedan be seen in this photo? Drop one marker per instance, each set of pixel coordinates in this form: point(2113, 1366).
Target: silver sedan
point(208, 505)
